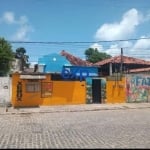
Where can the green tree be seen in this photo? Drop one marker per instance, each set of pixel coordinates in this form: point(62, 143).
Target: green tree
point(21, 55)
point(6, 57)
point(93, 55)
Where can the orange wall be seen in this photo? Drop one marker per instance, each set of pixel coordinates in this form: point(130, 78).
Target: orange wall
point(116, 91)
point(63, 92)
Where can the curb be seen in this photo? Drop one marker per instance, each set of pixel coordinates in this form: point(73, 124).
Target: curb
point(9, 112)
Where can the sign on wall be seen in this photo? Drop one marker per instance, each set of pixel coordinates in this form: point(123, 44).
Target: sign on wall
point(78, 72)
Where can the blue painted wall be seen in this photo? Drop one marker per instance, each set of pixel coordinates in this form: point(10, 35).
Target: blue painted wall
point(93, 71)
point(53, 62)
point(79, 72)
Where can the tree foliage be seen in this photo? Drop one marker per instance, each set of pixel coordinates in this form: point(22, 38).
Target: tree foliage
point(21, 55)
point(93, 55)
point(6, 57)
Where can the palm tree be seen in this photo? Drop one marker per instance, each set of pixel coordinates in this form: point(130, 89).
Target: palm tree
point(21, 55)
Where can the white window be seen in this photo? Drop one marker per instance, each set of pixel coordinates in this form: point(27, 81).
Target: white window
point(33, 87)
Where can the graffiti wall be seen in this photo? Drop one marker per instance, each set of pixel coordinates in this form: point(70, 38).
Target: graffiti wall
point(138, 88)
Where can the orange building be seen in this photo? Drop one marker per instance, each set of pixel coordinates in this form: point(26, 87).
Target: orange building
point(45, 89)
point(39, 89)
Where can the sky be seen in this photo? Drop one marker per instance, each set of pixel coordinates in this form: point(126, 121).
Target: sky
point(76, 25)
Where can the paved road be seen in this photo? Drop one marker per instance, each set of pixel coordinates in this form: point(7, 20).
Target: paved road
point(122, 128)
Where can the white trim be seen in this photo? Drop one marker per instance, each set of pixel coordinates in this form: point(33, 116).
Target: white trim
point(32, 77)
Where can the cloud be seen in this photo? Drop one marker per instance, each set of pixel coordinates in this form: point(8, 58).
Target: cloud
point(22, 33)
point(98, 46)
point(23, 20)
point(113, 50)
point(142, 44)
point(139, 49)
point(122, 29)
point(8, 17)
point(22, 25)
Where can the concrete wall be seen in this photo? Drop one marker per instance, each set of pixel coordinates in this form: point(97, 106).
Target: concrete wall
point(116, 91)
point(5, 90)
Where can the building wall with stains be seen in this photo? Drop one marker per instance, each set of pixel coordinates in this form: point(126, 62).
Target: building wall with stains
point(138, 88)
point(42, 91)
point(5, 90)
point(116, 90)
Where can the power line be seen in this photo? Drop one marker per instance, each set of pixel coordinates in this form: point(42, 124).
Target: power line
point(76, 42)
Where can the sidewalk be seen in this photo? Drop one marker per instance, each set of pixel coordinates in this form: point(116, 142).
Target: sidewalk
point(73, 108)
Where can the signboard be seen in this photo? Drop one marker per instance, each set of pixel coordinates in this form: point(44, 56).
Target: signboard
point(78, 72)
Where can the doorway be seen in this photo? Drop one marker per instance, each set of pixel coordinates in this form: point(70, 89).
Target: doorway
point(96, 90)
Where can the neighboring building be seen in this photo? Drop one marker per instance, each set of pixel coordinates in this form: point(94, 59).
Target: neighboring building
point(52, 63)
point(120, 63)
point(76, 61)
point(140, 70)
point(15, 65)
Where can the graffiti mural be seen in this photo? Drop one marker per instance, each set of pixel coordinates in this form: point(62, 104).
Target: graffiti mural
point(138, 88)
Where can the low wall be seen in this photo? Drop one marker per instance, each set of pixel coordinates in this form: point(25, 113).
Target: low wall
point(5, 90)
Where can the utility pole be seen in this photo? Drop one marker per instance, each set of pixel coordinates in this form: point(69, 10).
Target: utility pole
point(121, 63)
